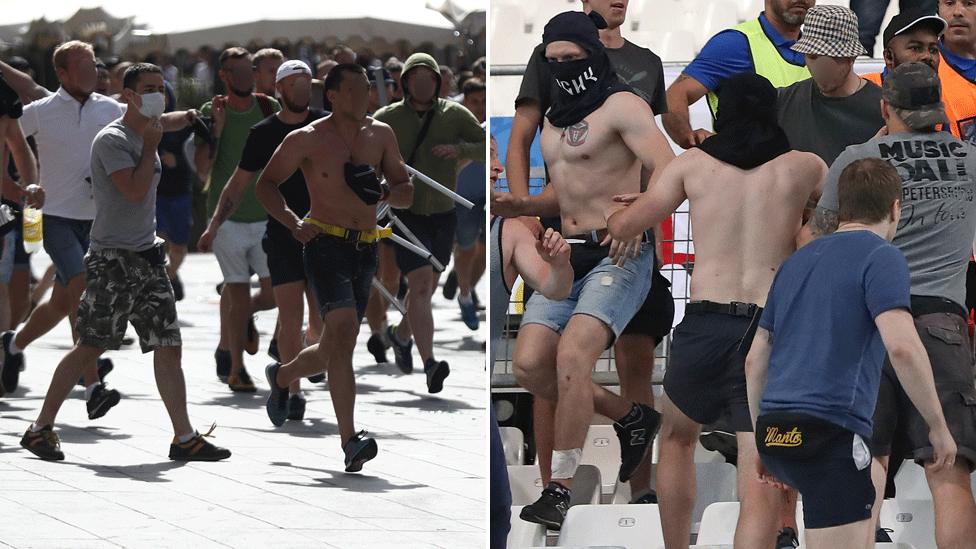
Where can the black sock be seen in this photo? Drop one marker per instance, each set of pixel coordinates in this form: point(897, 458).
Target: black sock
point(559, 489)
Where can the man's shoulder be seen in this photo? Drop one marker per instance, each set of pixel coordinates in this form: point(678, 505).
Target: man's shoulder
point(789, 93)
point(645, 55)
point(113, 135)
point(393, 109)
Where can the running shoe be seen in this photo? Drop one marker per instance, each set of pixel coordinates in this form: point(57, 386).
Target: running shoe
point(317, 378)
point(273, 350)
point(450, 286)
point(277, 405)
point(241, 383)
point(786, 539)
point(377, 347)
point(251, 343)
point(648, 498)
point(197, 449)
point(477, 302)
point(636, 437)
point(177, 288)
point(550, 509)
point(436, 372)
point(469, 314)
point(402, 353)
point(102, 400)
point(883, 535)
point(105, 366)
point(296, 408)
point(359, 449)
point(44, 444)
point(222, 358)
point(12, 364)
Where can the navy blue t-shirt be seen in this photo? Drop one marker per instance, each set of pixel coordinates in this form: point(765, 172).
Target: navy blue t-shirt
point(827, 352)
point(965, 67)
point(727, 53)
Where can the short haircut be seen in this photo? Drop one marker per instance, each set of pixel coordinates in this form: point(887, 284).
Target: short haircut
point(393, 65)
point(132, 74)
point(473, 85)
point(267, 53)
point(866, 191)
point(233, 53)
point(61, 53)
point(335, 77)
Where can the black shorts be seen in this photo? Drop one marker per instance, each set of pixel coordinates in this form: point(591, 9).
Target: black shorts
point(971, 286)
point(828, 465)
point(706, 376)
point(435, 232)
point(285, 258)
point(340, 273)
point(897, 424)
point(656, 315)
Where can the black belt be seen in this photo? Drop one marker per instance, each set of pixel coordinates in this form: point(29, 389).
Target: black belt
point(927, 304)
point(599, 235)
point(736, 308)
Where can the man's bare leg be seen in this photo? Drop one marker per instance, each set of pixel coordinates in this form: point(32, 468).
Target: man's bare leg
point(759, 512)
point(64, 379)
point(291, 311)
point(19, 296)
point(264, 299)
point(848, 536)
point(534, 366)
point(224, 343)
point(469, 265)
point(314, 332)
point(676, 482)
point(177, 254)
point(167, 365)
point(388, 275)
point(634, 358)
point(879, 477)
point(420, 318)
point(239, 296)
point(955, 511)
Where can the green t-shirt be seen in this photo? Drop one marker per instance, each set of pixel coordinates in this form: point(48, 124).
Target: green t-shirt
point(236, 129)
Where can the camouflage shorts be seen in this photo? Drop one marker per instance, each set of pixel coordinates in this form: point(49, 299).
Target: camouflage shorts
point(123, 287)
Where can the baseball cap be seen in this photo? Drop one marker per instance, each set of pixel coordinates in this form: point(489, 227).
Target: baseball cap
point(904, 22)
point(291, 67)
point(915, 92)
point(831, 31)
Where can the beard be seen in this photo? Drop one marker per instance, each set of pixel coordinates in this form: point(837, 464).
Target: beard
point(790, 18)
point(292, 106)
point(241, 93)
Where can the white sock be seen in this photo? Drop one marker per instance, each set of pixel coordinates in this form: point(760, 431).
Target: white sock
point(90, 389)
point(187, 438)
point(12, 347)
point(465, 299)
point(299, 394)
point(36, 428)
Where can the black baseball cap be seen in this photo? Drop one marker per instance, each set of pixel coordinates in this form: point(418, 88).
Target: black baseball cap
point(904, 22)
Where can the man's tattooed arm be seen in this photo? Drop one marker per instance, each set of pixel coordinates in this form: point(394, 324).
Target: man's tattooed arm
point(824, 222)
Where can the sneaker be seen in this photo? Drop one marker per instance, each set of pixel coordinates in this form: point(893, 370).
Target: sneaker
point(177, 288)
point(241, 383)
point(450, 286)
point(197, 449)
point(44, 444)
point(296, 408)
point(12, 364)
point(273, 350)
point(721, 439)
point(102, 400)
point(469, 314)
point(883, 535)
point(550, 509)
point(477, 302)
point(402, 353)
point(277, 405)
point(436, 373)
point(105, 366)
point(648, 498)
point(636, 437)
point(317, 378)
point(787, 539)
point(404, 288)
point(377, 347)
point(359, 449)
point(251, 343)
point(222, 358)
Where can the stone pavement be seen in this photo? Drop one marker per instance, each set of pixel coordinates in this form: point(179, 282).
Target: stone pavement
point(282, 486)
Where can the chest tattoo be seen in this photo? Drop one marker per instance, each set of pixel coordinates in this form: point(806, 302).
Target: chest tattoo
point(575, 135)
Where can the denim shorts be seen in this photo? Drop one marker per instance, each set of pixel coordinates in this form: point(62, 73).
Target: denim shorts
point(66, 241)
point(340, 273)
point(608, 293)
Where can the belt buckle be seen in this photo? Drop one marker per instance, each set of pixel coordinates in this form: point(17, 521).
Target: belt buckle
point(741, 309)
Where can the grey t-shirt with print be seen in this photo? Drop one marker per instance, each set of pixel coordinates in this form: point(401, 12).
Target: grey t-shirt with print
point(119, 222)
point(938, 211)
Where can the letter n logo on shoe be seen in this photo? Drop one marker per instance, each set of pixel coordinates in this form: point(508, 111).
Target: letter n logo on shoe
point(637, 437)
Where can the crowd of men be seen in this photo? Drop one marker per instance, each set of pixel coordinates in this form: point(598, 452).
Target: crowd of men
point(298, 196)
point(833, 231)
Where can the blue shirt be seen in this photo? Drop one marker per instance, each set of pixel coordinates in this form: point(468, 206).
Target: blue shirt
point(827, 352)
point(727, 53)
point(965, 67)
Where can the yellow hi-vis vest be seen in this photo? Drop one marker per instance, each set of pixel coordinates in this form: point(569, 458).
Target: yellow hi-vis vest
point(767, 60)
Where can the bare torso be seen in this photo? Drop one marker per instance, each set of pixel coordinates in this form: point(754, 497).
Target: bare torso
point(745, 222)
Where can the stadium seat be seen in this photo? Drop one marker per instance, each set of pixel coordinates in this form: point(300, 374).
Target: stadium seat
point(504, 89)
point(602, 449)
point(718, 523)
point(512, 41)
point(910, 482)
point(526, 484)
point(716, 482)
point(630, 526)
point(893, 546)
point(670, 46)
point(667, 15)
point(514, 443)
point(539, 12)
point(912, 521)
point(524, 533)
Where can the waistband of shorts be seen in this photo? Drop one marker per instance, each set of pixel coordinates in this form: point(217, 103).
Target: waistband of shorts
point(927, 304)
point(599, 235)
point(368, 237)
point(735, 308)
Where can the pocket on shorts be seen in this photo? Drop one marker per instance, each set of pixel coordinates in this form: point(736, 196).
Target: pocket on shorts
point(945, 335)
point(861, 453)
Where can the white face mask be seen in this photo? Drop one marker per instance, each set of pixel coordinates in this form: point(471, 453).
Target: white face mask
point(153, 105)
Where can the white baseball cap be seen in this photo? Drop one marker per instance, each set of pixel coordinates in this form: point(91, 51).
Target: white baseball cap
point(291, 67)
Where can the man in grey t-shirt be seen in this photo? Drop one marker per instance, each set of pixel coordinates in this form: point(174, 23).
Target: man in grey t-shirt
point(938, 222)
point(126, 272)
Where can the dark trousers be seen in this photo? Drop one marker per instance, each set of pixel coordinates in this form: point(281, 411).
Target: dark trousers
point(870, 15)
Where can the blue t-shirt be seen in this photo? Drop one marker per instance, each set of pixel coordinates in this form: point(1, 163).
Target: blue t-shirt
point(827, 352)
point(727, 53)
point(966, 67)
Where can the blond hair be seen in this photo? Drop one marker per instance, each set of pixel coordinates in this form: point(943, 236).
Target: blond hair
point(62, 52)
point(267, 53)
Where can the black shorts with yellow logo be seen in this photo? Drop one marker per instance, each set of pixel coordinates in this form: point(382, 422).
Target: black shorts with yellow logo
point(829, 465)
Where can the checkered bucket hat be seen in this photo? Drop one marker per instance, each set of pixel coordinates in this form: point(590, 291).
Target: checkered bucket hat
point(830, 31)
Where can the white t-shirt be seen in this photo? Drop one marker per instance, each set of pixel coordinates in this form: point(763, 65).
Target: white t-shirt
point(64, 130)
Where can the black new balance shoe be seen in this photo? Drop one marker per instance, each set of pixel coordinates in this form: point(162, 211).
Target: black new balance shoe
point(450, 286)
point(636, 433)
point(12, 364)
point(377, 347)
point(222, 358)
point(197, 449)
point(786, 539)
point(436, 372)
point(550, 509)
point(296, 408)
point(44, 444)
point(402, 353)
point(102, 400)
point(359, 449)
point(277, 405)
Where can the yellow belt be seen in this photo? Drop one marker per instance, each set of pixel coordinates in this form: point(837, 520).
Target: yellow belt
point(368, 237)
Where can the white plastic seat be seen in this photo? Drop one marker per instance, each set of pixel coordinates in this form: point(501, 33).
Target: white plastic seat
point(629, 526)
point(670, 46)
point(718, 523)
point(524, 533)
point(602, 449)
point(911, 521)
point(539, 12)
point(716, 482)
point(513, 442)
point(526, 484)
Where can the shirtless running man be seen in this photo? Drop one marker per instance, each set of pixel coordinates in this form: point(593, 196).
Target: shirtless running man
point(598, 136)
point(343, 158)
point(748, 193)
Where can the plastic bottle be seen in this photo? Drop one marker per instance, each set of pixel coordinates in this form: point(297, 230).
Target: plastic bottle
point(33, 230)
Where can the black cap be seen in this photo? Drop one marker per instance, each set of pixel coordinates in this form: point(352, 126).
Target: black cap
point(576, 27)
point(904, 22)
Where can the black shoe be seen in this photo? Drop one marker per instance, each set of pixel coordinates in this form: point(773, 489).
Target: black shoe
point(102, 400)
point(377, 347)
point(404, 287)
point(44, 444)
point(277, 405)
point(402, 354)
point(721, 439)
point(882, 535)
point(450, 286)
point(317, 378)
point(177, 288)
point(436, 372)
point(787, 539)
point(105, 366)
point(12, 364)
point(549, 510)
point(296, 408)
point(648, 498)
point(273, 350)
point(197, 449)
point(241, 383)
point(359, 449)
point(636, 438)
point(222, 358)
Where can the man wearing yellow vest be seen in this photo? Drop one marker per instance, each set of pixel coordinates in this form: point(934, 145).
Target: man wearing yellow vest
point(761, 45)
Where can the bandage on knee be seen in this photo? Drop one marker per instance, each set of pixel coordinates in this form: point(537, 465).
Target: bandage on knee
point(565, 463)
